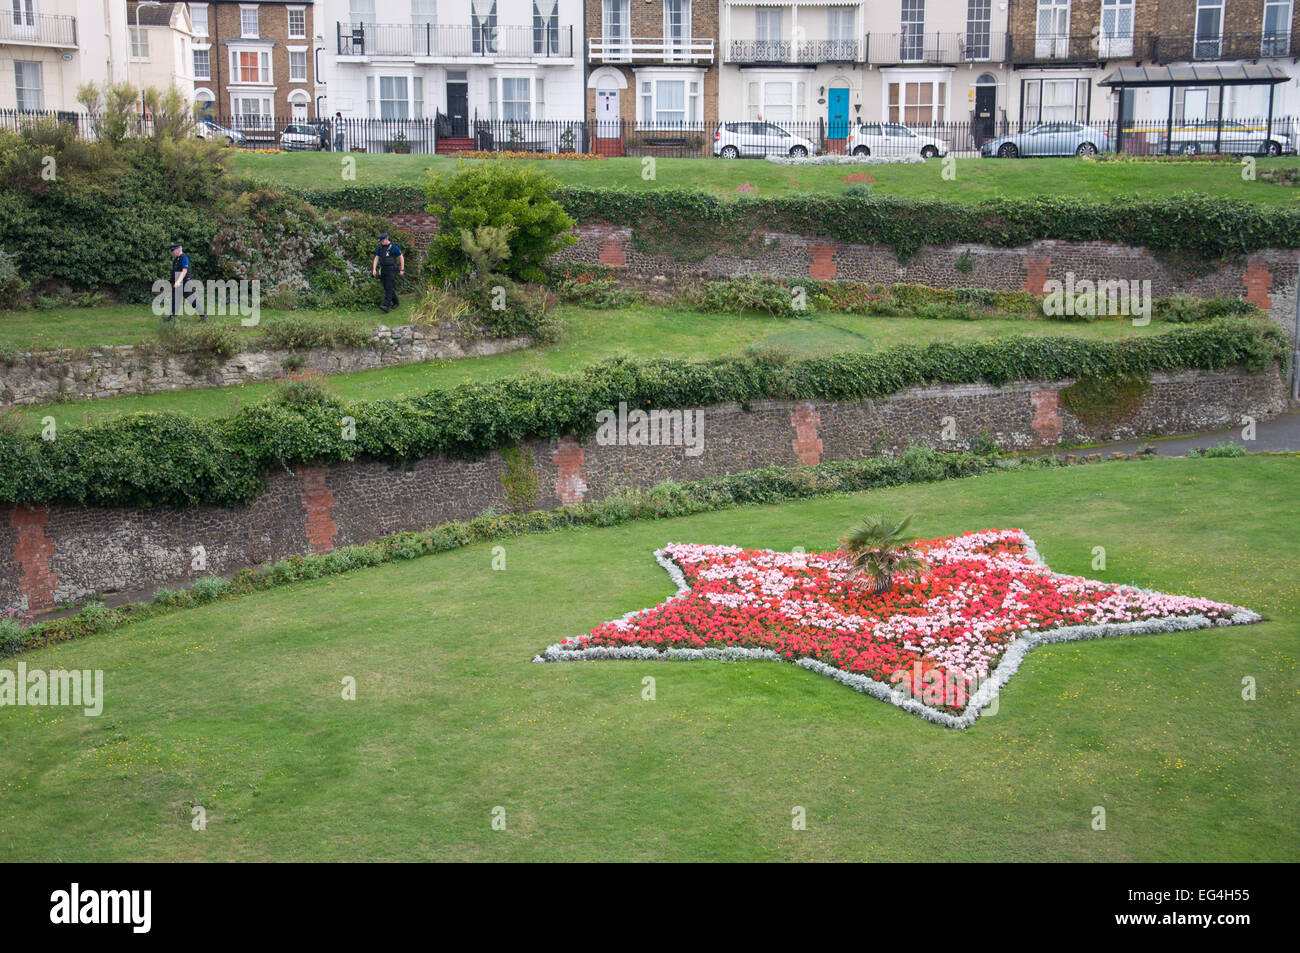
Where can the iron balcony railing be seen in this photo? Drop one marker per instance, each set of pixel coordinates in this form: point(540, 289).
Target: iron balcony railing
point(886, 49)
point(808, 52)
point(37, 29)
point(655, 49)
point(1225, 46)
point(453, 40)
point(1053, 48)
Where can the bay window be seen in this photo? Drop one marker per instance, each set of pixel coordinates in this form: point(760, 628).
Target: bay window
point(250, 66)
point(917, 103)
point(668, 99)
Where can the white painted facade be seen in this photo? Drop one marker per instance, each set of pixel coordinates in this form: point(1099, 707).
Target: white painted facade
point(48, 48)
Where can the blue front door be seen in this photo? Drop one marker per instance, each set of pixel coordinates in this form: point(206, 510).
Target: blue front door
point(837, 114)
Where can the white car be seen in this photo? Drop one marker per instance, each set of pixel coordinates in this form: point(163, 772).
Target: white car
point(207, 129)
point(892, 139)
point(300, 136)
point(735, 139)
point(1235, 138)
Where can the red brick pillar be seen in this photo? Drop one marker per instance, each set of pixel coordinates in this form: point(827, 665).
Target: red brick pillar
point(569, 484)
point(807, 446)
point(1047, 415)
point(317, 500)
point(1257, 280)
point(34, 551)
point(612, 253)
point(823, 262)
point(1035, 273)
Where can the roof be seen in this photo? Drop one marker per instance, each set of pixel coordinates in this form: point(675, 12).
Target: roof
point(1235, 74)
point(152, 16)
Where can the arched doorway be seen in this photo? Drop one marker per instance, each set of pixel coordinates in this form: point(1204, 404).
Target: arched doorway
point(984, 117)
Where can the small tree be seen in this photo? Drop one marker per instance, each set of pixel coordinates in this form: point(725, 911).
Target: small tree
point(496, 194)
point(879, 550)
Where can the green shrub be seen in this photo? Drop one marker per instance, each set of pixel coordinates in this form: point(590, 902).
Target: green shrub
point(207, 339)
point(12, 285)
point(497, 195)
point(519, 479)
point(741, 295)
point(1225, 449)
point(209, 588)
point(12, 636)
point(1102, 400)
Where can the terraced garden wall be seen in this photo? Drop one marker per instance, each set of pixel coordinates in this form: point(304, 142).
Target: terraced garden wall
point(58, 554)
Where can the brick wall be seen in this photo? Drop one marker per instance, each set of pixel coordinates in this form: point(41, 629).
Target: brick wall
point(61, 554)
point(273, 26)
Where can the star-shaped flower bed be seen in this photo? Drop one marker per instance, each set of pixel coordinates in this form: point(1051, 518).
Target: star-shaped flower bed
point(941, 644)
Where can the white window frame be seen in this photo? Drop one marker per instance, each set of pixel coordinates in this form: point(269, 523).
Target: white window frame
point(760, 98)
point(203, 30)
point(649, 102)
point(264, 67)
point(940, 100)
point(1055, 42)
point(979, 30)
point(297, 51)
point(138, 38)
point(911, 31)
point(1203, 42)
point(1277, 44)
point(404, 101)
point(1115, 38)
point(39, 88)
point(206, 50)
point(288, 14)
point(244, 10)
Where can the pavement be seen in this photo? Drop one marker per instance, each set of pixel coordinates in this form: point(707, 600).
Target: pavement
point(1280, 434)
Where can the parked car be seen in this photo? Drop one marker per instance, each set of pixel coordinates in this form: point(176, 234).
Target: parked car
point(735, 139)
point(301, 135)
point(892, 139)
point(207, 129)
point(1235, 138)
point(1049, 139)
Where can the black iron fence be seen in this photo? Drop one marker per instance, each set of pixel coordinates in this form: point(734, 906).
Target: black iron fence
point(751, 138)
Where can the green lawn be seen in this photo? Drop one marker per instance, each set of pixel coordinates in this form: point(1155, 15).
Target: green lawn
point(236, 707)
point(976, 179)
point(592, 335)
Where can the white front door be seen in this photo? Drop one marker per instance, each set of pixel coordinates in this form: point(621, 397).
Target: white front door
point(607, 113)
point(299, 112)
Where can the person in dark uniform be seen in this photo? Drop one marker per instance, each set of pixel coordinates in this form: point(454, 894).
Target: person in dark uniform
point(388, 264)
point(184, 287)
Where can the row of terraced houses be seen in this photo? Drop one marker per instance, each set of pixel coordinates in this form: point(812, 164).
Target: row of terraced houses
point(656, 64)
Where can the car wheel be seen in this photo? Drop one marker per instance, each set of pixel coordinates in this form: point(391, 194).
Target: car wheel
point(1086, 149)
point(798, 151)
point(1190, 149)
point(1271, 148)
point(929, 152)
point(1007, 151)
point(730, 152)
point(862, 151)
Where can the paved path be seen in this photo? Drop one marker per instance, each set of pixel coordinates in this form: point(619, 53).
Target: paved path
point(1279, 434)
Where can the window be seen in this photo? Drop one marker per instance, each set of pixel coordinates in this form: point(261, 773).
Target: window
point(393, 103)
point(485, 26)
point(669, 100)
point(1277, 28)
point(1209, 29)
point(841, 42)
point(24, 16)
point(27, 81)
point(202, 64)
point(919, 103)
point(767, 34)
point(615, 26)
point(297, 66)
point(546, 26)
point(424, 12)
point(912, 36)
point(248, 22)
point(677, 27)
point(516, 102)
point(361, 11)
point(297, 23)
point(1056, 100)
point(252, 112)
point(1053, 38)
point(199, 17)
point(139, 43)
point(1116, 37)
point(979, 23)
point(417, 97)
point(250, 66)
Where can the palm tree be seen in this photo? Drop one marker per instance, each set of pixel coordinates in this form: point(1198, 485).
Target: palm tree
point(878, 549)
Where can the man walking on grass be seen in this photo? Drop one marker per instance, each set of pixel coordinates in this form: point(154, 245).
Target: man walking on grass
point(389, 263)
point(184, 288)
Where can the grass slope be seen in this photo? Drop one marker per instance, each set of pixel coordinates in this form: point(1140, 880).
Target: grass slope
point(976, 179)
point(236, 706)
point(592, 335)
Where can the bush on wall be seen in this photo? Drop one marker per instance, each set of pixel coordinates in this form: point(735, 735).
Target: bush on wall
point(175, 460)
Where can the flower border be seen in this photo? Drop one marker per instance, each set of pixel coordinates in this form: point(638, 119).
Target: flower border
point(979, 699)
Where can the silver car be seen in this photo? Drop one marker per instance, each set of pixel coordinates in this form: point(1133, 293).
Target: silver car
point(1049, 139)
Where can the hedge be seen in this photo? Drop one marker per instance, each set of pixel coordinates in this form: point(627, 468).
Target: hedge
point(1193, 224)
point(172, 459)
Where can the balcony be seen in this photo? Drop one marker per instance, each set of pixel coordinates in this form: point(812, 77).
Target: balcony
point(38, 29)
point(1030, 49)
point(808, 53)
point(454, 41)
point(1227, 46)
point(937, 49)
point(650, 50)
